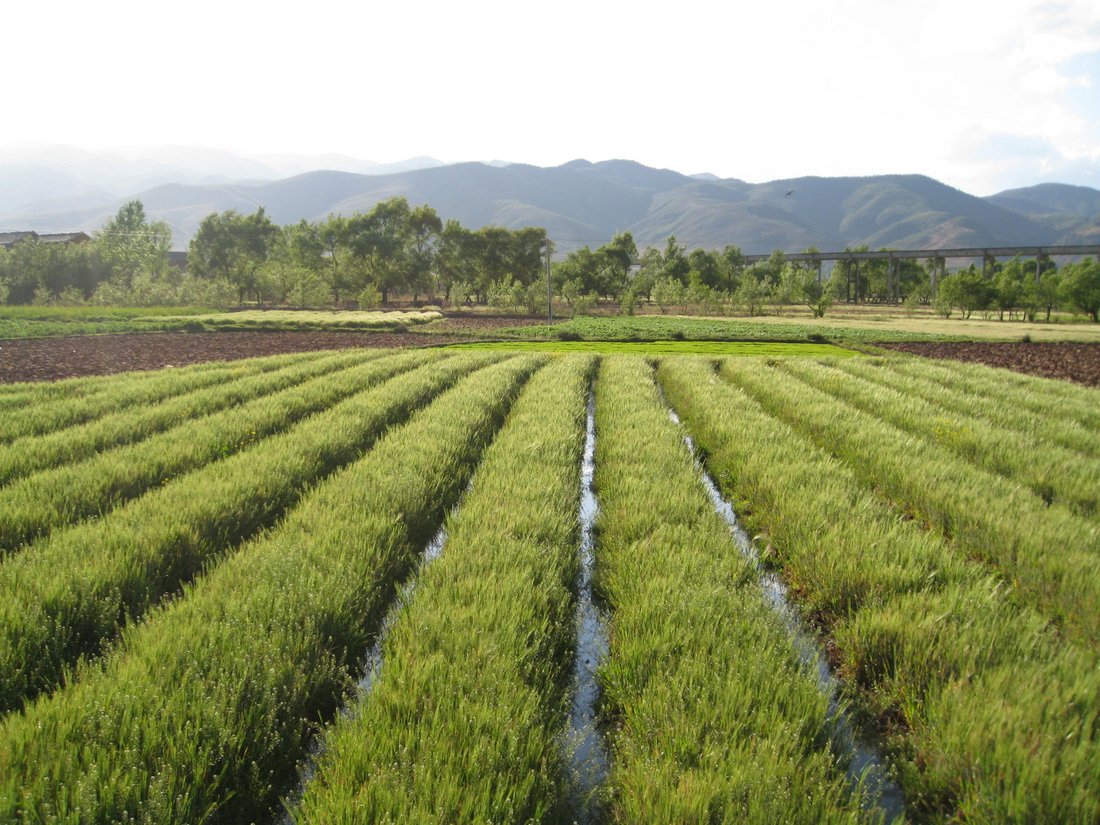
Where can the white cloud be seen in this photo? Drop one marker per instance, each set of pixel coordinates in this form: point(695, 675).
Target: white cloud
point(755, 91)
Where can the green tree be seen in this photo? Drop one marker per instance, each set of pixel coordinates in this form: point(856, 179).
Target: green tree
point(674, 264)
point(732, 265)
point(233, 247)
point(967, 290)
point(130, 245)
point(1080, 287)
point(379, 242)
point(425, 227)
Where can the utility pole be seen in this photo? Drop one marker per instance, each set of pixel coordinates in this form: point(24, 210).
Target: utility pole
point(549, 293)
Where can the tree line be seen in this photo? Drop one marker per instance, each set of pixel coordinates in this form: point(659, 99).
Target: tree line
point(395, 249)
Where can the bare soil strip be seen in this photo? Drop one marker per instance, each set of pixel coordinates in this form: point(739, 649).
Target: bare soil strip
point(48, 359)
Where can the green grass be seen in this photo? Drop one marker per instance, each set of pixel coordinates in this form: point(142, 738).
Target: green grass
point(1055, 474)
point(475, 671)
point(849, 324)
point(711, 715)
point(203, 711)
point(66, 597)
point(657, 328)
point(42, 322)
point(34, 504)
point(666, 347)
point(130, 425)
point(991, 714)
point(990, 517)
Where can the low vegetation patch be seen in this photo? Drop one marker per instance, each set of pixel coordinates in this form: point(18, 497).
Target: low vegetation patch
point(671, 347)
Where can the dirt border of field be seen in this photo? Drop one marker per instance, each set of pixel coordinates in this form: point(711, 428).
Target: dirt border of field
point(49, 359)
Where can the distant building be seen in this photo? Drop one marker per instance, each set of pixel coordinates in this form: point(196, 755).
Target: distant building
point(10, 239)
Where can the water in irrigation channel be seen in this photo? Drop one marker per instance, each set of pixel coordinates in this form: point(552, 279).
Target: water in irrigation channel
point(372, 664)
point(585, 748)
point(866, 767)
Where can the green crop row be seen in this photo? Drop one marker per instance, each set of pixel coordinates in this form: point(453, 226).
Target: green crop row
point(1050, 428)
point(26, 392)
point(47, 414)
point(988, 517)
point(26, 455)
point(990, 716)
point(203, 711)
point(35, 504)
point(464, 722)
point(712, 716)
point(1043, 396)
point(1054, 474)
point(69, 596)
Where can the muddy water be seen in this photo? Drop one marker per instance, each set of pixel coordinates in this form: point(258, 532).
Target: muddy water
point(866, 766)
point(584, 744)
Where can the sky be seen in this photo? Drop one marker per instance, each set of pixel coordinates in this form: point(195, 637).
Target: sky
point(981, 95)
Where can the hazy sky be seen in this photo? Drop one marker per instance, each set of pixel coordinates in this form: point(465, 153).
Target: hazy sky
point(983, 95)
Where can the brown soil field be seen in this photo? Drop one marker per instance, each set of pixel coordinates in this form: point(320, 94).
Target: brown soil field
point(1069, 361)
point(47, 359)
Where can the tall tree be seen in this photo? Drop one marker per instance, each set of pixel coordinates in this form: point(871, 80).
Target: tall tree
point(233, 247)
point(378, 241)
point(130, 244)
point(425, 227)
point(1081, 287)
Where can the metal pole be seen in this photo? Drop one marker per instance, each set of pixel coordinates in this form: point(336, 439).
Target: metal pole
point(549, 294)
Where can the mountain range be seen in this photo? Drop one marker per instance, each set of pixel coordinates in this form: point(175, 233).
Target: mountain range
point(580, 203)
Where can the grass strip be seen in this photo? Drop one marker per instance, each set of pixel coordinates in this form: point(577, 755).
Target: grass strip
point(118, 392)
point(464, 722)
point(774, 348)
point(991, 717)
point(51, 498)
point(203, 711)
point(27, 455)
point(1050, 428)
point(712, 716)
point(987, 516)
point(1054, 474)
point(73, 594)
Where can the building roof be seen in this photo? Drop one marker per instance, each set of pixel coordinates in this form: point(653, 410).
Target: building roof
point(9, 239)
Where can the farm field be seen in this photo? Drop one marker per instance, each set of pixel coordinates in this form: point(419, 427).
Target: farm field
point(353, 586)
point(36, 322)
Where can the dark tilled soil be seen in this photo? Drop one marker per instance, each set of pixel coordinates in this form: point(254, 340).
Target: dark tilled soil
point(46, 359)
point(1071, 362)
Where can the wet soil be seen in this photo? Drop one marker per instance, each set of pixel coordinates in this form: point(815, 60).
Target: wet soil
point(1068, 361)
point(46, 359)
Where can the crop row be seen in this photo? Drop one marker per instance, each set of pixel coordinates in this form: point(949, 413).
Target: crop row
point(37, 503)
point(1054, 474)
point(926, 382)
point(39, 412)
point(204, 709)
point(714, 718)
point(30, 453)
point(464, 724)
point(988, 516)
point(990, 715)
point(1059, 400)
point(65, 598)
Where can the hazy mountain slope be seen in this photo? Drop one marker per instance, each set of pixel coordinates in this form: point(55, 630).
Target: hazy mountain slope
point(587, 203)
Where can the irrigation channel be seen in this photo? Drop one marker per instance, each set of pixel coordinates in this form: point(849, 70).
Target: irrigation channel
point(372, 662)
point(867, 768)
point(584, 743)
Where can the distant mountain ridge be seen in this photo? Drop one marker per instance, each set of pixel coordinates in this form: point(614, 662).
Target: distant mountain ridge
point(584, 203)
